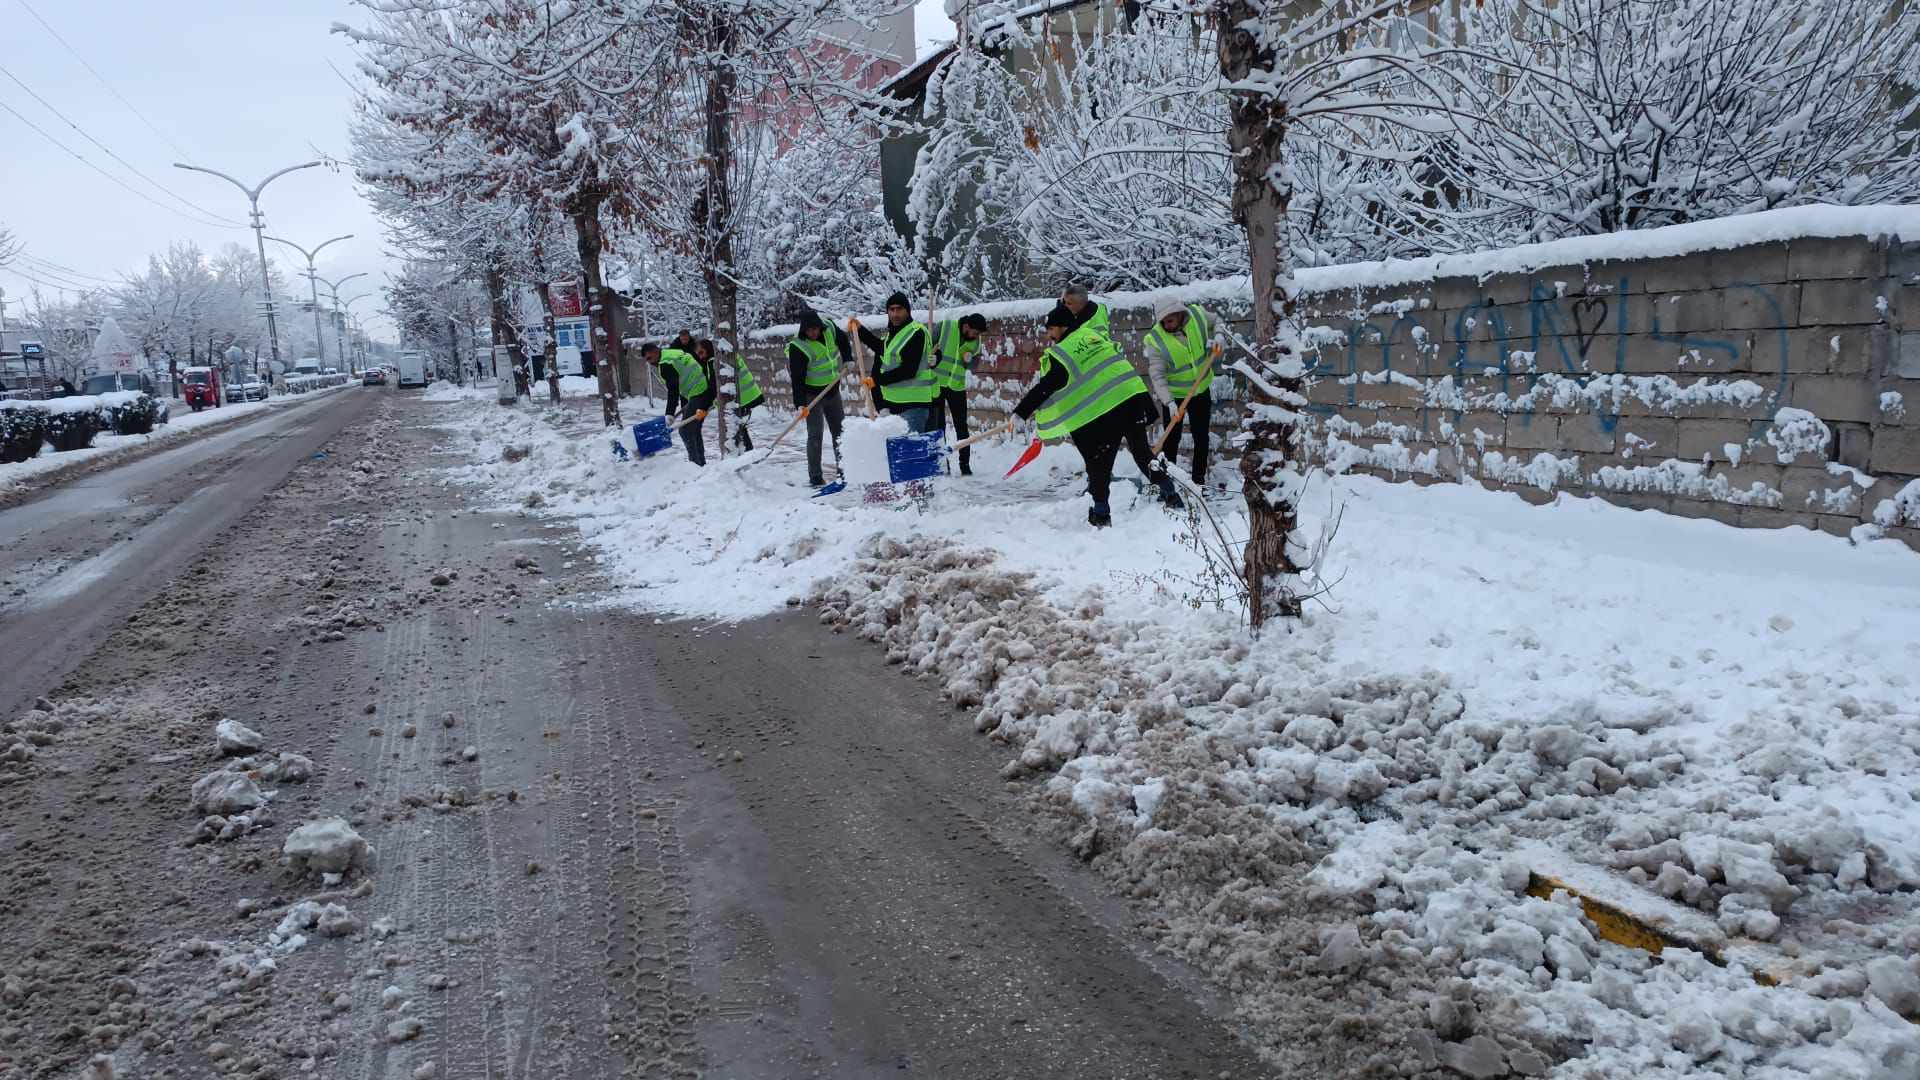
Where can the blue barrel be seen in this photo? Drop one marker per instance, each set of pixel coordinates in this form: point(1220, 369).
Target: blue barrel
point(916, 457)
point(651, 436)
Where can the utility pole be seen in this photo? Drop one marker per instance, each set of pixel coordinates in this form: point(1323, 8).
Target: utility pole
point(259, 230)
point(313, 290)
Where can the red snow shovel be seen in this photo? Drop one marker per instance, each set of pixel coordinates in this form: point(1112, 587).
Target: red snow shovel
point(1026, 457)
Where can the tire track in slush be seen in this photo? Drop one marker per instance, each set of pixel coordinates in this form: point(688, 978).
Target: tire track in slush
point(660, 989)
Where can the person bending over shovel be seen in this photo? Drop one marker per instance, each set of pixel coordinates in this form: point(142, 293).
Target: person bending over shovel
point(688, 385)
point(1088, 392)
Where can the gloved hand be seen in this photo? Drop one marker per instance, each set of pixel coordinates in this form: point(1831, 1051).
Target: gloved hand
point(804, 410)
point(853, 326)
point(699, 415)
point(867, 381)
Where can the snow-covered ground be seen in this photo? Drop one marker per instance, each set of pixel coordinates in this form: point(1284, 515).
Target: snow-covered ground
point(1716, 728)
point(185, 422)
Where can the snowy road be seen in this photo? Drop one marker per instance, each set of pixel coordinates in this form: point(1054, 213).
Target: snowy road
point(75, 561)
point(604, 845)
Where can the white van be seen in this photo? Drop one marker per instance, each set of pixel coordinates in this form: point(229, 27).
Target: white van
point(413, 370)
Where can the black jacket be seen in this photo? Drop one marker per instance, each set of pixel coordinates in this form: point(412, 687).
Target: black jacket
point(689, 406)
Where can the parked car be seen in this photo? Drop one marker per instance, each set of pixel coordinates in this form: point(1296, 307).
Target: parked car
point(373, 377)
point(250, 390)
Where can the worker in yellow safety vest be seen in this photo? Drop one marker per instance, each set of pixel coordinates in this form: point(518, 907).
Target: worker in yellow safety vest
point(905, 379)
point(815, 358)
point(688, 388)
point(1179, 350)
point(955, 343)
point(1088, 392)
point(746, 395)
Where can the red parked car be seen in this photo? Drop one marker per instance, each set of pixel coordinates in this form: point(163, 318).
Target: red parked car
point(201, 387)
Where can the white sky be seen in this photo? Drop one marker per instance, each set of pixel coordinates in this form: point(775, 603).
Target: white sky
point(236, 85)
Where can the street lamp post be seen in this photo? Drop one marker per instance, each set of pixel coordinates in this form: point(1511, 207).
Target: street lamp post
point(343, 313)
point(259, 230)
point(313, 289)
point(333, 290)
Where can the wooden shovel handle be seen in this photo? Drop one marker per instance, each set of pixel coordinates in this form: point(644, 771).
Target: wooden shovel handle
point(797, 417)
point(1003, 429)
point(1182, 412)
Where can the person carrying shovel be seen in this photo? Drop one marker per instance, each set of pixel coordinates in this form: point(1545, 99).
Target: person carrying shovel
point(955, 341)
point(1088, 392)
point(1180, 367)
point(815, 357)
point(689, 387)
point(905, 380)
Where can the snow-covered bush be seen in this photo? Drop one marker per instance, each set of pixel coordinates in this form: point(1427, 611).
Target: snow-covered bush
point(72, 422)
point(129, 413)
point(22, 429)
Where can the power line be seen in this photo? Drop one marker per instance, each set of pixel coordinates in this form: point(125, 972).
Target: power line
point(103, 81)
point(51, 268)
point(122, 183)
point(105, 149)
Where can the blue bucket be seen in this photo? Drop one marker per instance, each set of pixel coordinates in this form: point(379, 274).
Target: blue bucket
point(916, 457)
point(651, 436)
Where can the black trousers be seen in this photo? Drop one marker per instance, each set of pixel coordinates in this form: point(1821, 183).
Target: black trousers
point(743, 438)
point(692, 435)
point(1099, 441)
point(1198, 421)
point(954, 404)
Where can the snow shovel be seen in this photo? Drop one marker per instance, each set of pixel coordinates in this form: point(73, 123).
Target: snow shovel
point(1174, 424)
point(1026, 458)
point(860, 361)
point(685, 420)
point(799, 416)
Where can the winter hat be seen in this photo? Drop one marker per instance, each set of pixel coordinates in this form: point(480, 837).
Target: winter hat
point(1166, 306)
point(974, 321)
point(899, 299)
point(1060, 316)
point(811, 321)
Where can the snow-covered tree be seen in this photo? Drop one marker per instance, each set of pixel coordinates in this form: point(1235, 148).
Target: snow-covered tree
point(1625, 114)
point(524, 103)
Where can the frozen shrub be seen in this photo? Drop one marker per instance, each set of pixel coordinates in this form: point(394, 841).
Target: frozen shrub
point(22, 429)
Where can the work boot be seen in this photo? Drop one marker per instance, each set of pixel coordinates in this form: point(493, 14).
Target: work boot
point(1169, 494)
point(1099, 516)
point(966, 462)
point(816, 481)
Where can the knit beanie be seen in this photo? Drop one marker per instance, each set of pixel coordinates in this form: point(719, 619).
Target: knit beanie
point(1166, 306)
point(1060, 316)
point(899, 299)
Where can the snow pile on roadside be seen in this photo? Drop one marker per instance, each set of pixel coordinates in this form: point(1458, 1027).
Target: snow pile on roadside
point(1206, 775)
point(1718, 724)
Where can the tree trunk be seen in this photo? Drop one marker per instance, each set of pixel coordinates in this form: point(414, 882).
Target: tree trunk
point(504, 331)
point(605, 336)
point(1271, 465)
point(723, 292)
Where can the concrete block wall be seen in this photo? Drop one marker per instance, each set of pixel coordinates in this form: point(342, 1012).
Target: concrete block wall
point(1764, 386)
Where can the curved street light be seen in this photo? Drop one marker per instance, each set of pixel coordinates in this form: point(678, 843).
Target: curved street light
point(313, 290)
point(259, 230)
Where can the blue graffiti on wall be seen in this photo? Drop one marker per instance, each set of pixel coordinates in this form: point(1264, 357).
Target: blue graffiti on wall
point(1584, 337)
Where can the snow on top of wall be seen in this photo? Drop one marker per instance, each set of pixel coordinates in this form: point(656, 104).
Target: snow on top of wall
point(1719, 234)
